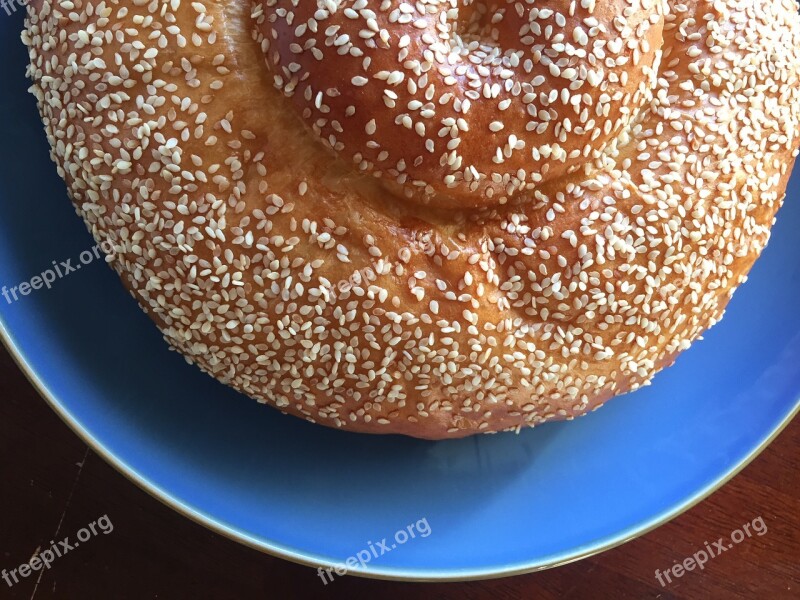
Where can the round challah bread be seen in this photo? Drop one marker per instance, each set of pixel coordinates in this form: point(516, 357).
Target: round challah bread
point(430, 217)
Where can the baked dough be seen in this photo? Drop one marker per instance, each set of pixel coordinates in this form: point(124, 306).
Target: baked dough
point(431, 218)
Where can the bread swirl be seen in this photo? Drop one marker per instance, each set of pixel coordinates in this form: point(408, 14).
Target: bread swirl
point(434, 218)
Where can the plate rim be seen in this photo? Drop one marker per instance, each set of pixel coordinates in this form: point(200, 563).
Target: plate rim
point(278, 550)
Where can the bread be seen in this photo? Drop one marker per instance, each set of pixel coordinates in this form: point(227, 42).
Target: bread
point(434, 218)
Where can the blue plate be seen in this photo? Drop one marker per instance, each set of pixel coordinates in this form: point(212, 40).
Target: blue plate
point(495, 505)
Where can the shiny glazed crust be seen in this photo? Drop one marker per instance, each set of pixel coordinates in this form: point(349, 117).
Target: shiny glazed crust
point(432, 218)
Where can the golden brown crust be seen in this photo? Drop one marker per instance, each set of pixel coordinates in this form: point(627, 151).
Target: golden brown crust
point(464, 103)
point(287, 272)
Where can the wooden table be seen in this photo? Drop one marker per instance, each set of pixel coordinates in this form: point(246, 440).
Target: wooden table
point(52, 485)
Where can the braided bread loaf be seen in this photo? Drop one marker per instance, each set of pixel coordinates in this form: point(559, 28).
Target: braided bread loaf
point(430, 217)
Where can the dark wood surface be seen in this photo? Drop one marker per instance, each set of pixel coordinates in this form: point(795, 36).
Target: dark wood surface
point(52, 485)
